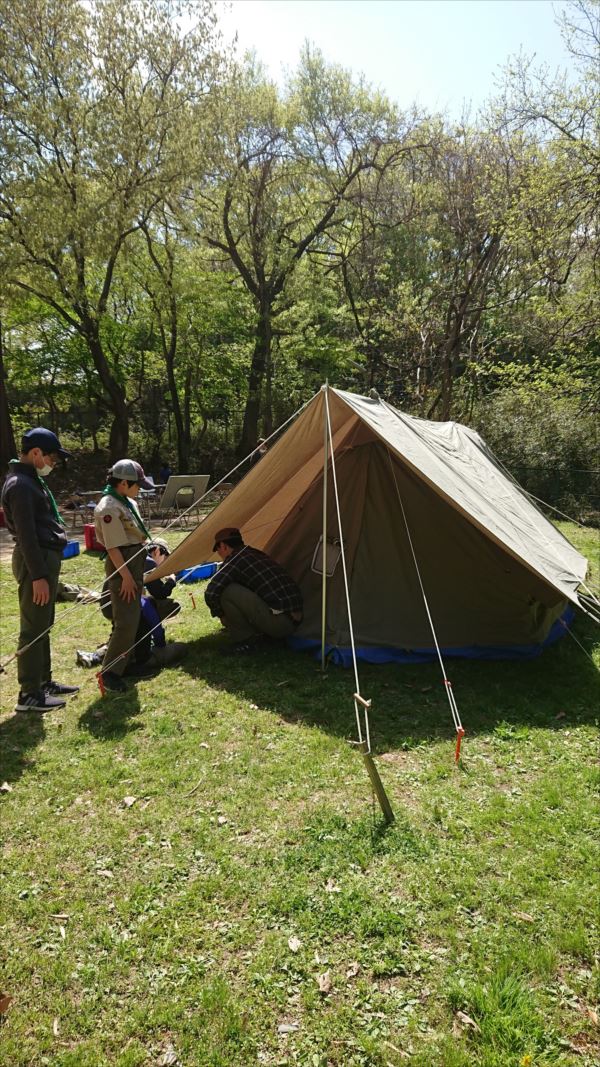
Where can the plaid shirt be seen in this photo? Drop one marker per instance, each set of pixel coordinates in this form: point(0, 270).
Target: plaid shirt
point(261, 574)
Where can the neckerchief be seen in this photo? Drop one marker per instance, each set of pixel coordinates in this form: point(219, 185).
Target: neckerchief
point(48, 492)
point(137, 518)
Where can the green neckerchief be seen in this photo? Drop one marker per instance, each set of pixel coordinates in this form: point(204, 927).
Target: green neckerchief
point(48, 492)
point(137, 518)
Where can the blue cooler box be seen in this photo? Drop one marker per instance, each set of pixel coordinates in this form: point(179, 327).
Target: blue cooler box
point(71, 549)
point(196, 574)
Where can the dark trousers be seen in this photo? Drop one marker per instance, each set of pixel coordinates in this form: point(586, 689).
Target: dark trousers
point(150, 632)
point(246, 615)
point(34, 666)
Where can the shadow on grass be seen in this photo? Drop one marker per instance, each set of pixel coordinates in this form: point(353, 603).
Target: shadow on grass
point(409, 705)
point(19, 735)
point(112, 716)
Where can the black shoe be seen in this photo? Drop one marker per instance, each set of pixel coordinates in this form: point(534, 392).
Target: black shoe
point(246, 648)
point(57, 689)
point(113, 682)
point(141, 670)
point(39, 702)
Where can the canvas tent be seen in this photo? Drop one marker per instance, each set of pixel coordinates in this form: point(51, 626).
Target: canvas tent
point(496, 573)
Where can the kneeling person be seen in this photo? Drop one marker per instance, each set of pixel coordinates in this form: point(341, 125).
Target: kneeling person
point(251, 593)
point(157, 608)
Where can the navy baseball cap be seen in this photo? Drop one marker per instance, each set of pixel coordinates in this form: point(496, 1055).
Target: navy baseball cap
point(45, 439)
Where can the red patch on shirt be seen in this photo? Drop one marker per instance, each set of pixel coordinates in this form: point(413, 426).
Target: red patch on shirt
point(107, 518)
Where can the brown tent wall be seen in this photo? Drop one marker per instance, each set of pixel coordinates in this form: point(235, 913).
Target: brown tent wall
point(477, 593)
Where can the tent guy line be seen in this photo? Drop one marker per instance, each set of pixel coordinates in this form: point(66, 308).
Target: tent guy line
point(447, 683)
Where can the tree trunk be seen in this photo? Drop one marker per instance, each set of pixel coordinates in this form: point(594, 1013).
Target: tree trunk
point(187, 407)
point(8, 448)
point(268, 408)
point(119, 432)
point(260, 358)
point(183, 451)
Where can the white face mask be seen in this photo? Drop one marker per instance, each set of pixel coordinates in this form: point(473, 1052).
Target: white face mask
point(45, 470)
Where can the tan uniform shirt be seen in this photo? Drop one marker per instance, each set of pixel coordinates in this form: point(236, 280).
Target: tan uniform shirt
point(115, 525)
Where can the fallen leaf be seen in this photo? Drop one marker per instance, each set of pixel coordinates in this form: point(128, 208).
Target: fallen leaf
point(169, 1058)
point(129, 801)
point(55, 1027)
point(331, 887)
point(561, 715)
point(63, 932)
point(5, 1002)
point(203, 744)
point(6, 788)
point(524, 915)
point(353, 970)
point(60, 915)
point(467, 1021)
point(593, 1016)
point(324, 982)
point(222, 820)
point(106, 874)
point(294, 944)
point(571, 1046)
point(288, 1028)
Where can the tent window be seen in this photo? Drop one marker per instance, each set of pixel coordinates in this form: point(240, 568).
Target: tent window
point(332, 556)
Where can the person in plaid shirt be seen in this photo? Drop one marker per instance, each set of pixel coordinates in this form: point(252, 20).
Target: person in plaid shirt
point(251, 594)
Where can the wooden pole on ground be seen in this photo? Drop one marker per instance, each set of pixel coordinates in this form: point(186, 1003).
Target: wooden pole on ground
point(376, 782)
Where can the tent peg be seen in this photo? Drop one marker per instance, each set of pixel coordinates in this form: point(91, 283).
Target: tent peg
point(460, 733)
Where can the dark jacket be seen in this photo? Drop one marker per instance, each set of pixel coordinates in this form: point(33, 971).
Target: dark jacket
point(162, 588)
point(30, 518)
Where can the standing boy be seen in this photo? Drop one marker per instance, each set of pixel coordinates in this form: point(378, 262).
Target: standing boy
point(34, 521)
point(119, 527)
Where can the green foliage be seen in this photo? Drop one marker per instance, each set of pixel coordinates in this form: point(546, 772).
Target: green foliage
point(189, 250)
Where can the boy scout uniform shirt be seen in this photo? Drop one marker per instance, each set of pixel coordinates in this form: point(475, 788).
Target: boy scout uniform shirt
point(115, 525)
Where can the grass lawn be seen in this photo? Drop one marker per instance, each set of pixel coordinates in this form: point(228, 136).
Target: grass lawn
point(195, 873)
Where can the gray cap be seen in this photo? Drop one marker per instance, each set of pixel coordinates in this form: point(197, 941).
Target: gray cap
point(159, 542)
point(131, 471)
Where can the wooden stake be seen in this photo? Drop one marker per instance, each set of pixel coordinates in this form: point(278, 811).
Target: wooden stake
point(377, 784)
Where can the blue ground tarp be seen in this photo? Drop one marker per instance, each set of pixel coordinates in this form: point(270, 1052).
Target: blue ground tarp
point(374, 654)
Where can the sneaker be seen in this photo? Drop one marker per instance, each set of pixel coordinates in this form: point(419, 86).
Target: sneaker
point(113, 682)
point(57, 689)
point(88, 659)
point(39, 702)
point(169, 655)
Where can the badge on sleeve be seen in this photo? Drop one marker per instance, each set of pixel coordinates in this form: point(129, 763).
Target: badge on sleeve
point(107, 518)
